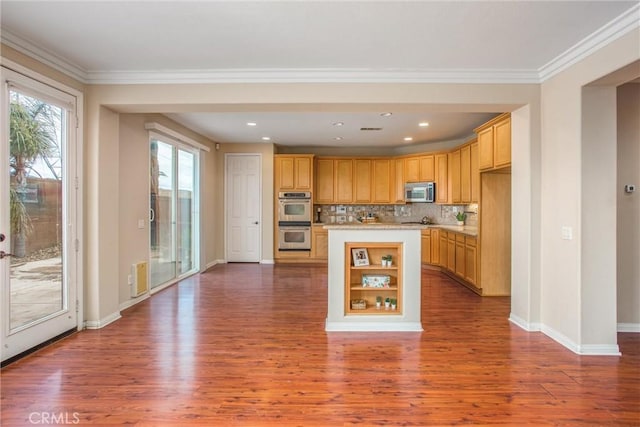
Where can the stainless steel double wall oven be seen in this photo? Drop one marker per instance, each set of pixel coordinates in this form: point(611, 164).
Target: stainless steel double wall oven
point(294, 221)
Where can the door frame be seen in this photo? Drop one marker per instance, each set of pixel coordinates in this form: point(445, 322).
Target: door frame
point(227, 202)
point(75, 199)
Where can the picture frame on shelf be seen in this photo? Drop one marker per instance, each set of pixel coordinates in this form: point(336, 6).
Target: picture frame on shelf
point(360, 257)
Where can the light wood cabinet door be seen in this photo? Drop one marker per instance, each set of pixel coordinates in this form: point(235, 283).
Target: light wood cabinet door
point(454, 176)
point(427, 168)
point(293, 172)
point(362, 181)
point(444, 249)
point(460, 253)
point(319, 243)
point(502, 144)
point(435, 247)
point(451, 252)
point(494, 143)
point(412, 169)
point(485, 149)
point(465, 174)
point(324, 181)
point(475, 174)
point(343, 181)
point(382, 180)
point(470, 266)
point(303, 173)
point(400, 180)
point(425, 248)
point(284, 172)
point(441, 161)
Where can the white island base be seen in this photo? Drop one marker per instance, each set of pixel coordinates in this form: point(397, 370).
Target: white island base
point(403, 241)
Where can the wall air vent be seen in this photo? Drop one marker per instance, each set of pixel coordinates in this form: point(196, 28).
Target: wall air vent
point(370, 128)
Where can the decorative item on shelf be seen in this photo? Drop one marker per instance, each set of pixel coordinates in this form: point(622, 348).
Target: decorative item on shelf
point(393, 303)
point(387, 260)
point(461, 216)
point(358, 304)
point(387, 303)
point(360, 257)
point(378, 302)
point(376, 280)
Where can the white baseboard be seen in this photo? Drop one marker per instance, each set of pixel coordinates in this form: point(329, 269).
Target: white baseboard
point(97, 324)
point(584, 350)
point(133, 301)
point(267, 261)
point(527, 326)
point(213, 263)
point(628, 327)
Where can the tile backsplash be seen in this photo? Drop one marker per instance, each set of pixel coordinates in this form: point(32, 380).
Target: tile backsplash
point(411, 212)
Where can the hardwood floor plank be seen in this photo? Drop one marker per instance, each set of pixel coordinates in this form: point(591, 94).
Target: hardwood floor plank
point(244, 345)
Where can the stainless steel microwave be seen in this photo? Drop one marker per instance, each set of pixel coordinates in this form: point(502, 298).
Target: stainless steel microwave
point(420, 192)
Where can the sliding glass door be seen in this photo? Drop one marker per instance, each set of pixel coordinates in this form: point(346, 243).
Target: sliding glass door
point(173, 211)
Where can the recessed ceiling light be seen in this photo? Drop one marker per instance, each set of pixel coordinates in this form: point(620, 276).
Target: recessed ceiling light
point(252, 124)
point(386, 114)
point(338, 138)
point(423, 124)
point(408, 138)
point(266, 138)
point(338, 124)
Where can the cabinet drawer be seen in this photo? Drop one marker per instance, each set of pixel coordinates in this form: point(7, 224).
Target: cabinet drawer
point(471, 241)
point(460, 237)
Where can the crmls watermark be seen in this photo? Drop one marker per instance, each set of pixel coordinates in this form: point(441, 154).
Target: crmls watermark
point(54, 418)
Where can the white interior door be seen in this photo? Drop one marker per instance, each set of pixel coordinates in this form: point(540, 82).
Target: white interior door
point(38, 213)
point(243, 189)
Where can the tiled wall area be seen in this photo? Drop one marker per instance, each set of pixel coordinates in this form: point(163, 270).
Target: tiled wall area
point(411, 212)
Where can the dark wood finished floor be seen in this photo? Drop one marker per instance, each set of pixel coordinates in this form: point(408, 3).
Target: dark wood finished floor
point(244, 344)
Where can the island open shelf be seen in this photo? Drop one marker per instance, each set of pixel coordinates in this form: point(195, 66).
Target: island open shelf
point(359, 274)
point(385, 285)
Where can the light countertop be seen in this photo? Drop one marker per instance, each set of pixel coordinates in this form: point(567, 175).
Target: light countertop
point(463, 229)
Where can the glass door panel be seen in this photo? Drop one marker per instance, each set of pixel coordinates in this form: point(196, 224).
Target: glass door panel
point(37, 213)
point(36, 185)
point(162, 214)
point(186, 184)
point(173, 209)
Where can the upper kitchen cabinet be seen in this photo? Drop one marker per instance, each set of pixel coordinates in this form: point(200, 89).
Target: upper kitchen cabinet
point(343, 181)
point(420, 168)
point(494, 143)
point(362, 180)
point(469, 174)
point(293, 172)
point(442, 178)
point(383, 181)
point(324, 181)
point(398, 194)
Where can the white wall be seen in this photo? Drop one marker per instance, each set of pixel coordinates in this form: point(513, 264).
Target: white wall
point(628, 208)
point(562, 270)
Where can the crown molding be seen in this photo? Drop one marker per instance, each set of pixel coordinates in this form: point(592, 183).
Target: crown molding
point(314, 76)
point(616, 28)
point(54, 61)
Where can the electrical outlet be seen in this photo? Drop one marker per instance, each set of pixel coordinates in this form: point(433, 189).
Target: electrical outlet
point(130, 280)
point(566, 233)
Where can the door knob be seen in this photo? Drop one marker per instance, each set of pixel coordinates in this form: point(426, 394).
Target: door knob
point(3, 254)
point(2, 237)
point(256, 222)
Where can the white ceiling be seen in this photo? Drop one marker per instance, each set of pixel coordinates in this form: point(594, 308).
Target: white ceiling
point(214, 41)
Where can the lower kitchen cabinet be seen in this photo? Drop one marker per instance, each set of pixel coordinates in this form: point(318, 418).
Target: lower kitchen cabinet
point(426, 247)
point(319, 243)
point(456, 254)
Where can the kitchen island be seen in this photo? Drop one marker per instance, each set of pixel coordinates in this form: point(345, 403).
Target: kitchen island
point(359, 273)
